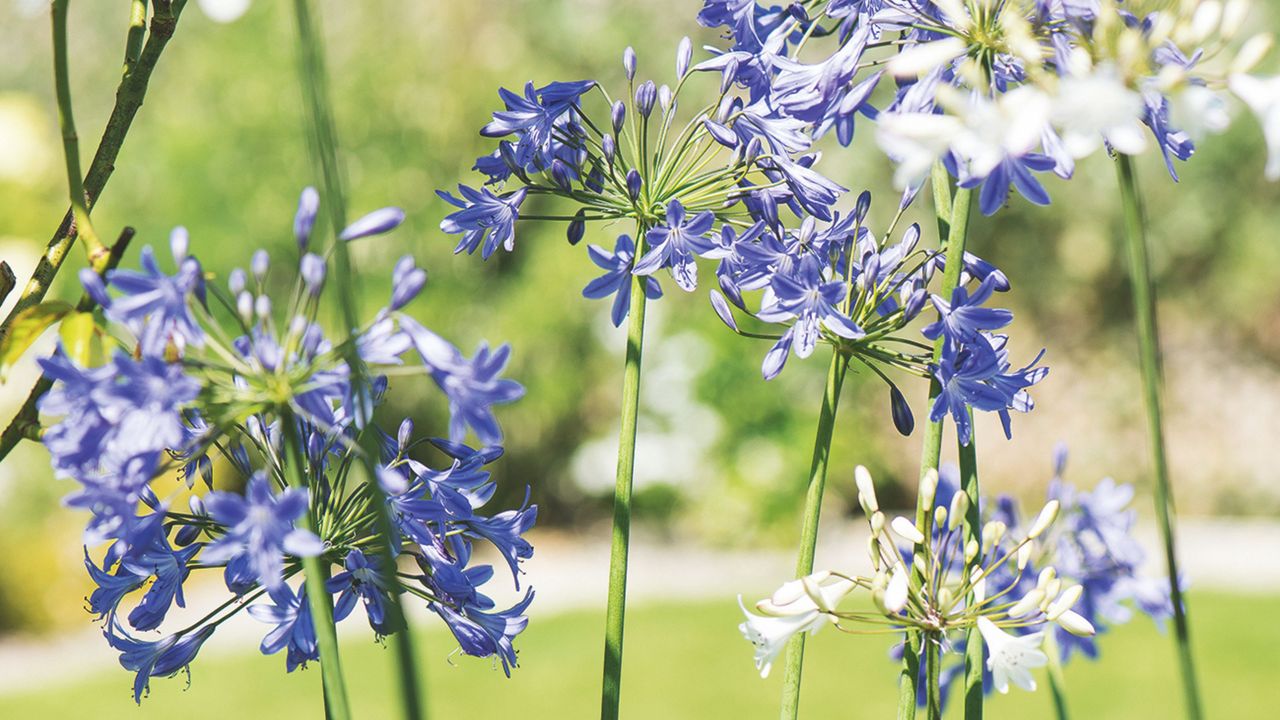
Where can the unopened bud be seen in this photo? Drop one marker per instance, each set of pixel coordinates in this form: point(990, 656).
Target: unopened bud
point(866, 489)
point(1045, 519)
point(1075, 624)
point(1064, 602)
point(907, 530)
point(1028, 604)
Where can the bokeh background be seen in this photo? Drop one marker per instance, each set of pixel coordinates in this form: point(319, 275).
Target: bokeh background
point(220, 147)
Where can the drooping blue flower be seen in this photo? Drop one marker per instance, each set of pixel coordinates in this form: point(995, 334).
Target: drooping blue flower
point(154, 305)
point(472, 385)
point(540, 119)
point(617, 278)
point(260, 528)
point(812, 300)
point(964, 372)
point(163, 657)
point(1015, 172)
point(169, 568)
point(505, 531)
point(293, 629)
point(484, 218)
point(363, 579)
point(676, 246)
point(485, 634)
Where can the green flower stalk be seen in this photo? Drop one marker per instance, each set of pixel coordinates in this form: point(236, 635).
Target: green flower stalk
point(1143, 290)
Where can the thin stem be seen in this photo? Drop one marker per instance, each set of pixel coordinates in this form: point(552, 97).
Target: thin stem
point(129, 96)
point(70, 141)
point(1057, 685)
point(809, 529)
point(316, 574)
point(1144, 304)
point(615, 613)
point(324, 135)
point(932, 672)
point(973, 654)
point(956, 227)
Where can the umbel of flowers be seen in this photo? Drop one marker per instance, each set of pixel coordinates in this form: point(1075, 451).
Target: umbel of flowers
point(202, 376)
point(1003, 585)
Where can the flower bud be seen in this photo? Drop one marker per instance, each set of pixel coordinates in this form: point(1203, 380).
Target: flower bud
point(262, 307)
point(895, 594)
point(259, 264)
point(382, 220)
point(720, 133)
point(1052, 588)
point(1075, 624)
point(629, 63)
point(561, 175)
point(244, 307)
point(646, 95)
point(617, 115)
point(907, 530)
point(945, 596)
point(914, 304)
point(796, 10)
point(729, 75)
point(610, 148)
point(1024, 556)
point(664, 98)
point(236, 281)
point(1028, 604)
point(992, 533)
point(684, 54)
point(754, 148)
point(1251, 53)
point(971, 550)
point(1064, 602)
point(979, 582)
point(939, 516)
point(877, 522)
point(507, 152)
point(1046, 576)
point(634, 184)
point(959, 507)
point(304, 220)
point(577, 228)
point(866, 489)
point(928, 488)
point(1044, 520)
point(312, 270)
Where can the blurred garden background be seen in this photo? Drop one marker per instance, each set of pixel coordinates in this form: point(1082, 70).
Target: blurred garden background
point(220, 147)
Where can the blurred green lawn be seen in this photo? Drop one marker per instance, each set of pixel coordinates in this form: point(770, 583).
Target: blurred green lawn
point(688, 661)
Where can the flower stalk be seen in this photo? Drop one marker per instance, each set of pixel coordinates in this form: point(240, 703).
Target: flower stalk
point(96, 251)
point(1144, 304)
point(1057, 686)
point(316, 575)
point(812, 512)
point(615, 613)
point(956, 233)
point(973, 657)
point(324, 136)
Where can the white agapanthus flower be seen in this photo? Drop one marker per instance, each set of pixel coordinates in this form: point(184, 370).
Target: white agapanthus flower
point(1010, 658)
point(803, 605)
point(1095, 106)
point(951, 597)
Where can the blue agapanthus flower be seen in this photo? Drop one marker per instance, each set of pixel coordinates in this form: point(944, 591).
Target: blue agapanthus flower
point(616, 280)
point(676, 245)
point(486, 221)
point(260, 527)
point(278, 399)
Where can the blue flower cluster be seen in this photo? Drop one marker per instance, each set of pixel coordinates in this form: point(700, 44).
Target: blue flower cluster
point(955, 67)
point(738, 186)
point(183, 395)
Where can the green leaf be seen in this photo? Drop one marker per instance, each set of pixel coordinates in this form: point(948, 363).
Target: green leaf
point(78, 333)
point(26, 327)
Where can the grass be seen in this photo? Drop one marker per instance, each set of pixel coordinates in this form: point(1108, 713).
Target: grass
point(688, 661)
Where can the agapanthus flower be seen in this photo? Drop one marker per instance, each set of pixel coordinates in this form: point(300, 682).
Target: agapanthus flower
point(962, 588)
point(484, 218)
point(280, 404)
point(617, 278)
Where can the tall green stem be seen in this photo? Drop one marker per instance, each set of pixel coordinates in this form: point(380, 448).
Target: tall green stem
point(1057, 685)
point(956, 229)
point(973, 660)
point(324, 137)
point(316, 572)
point(615, 613)
point(70, 141)
point(812, 513)
point(1144, 305)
